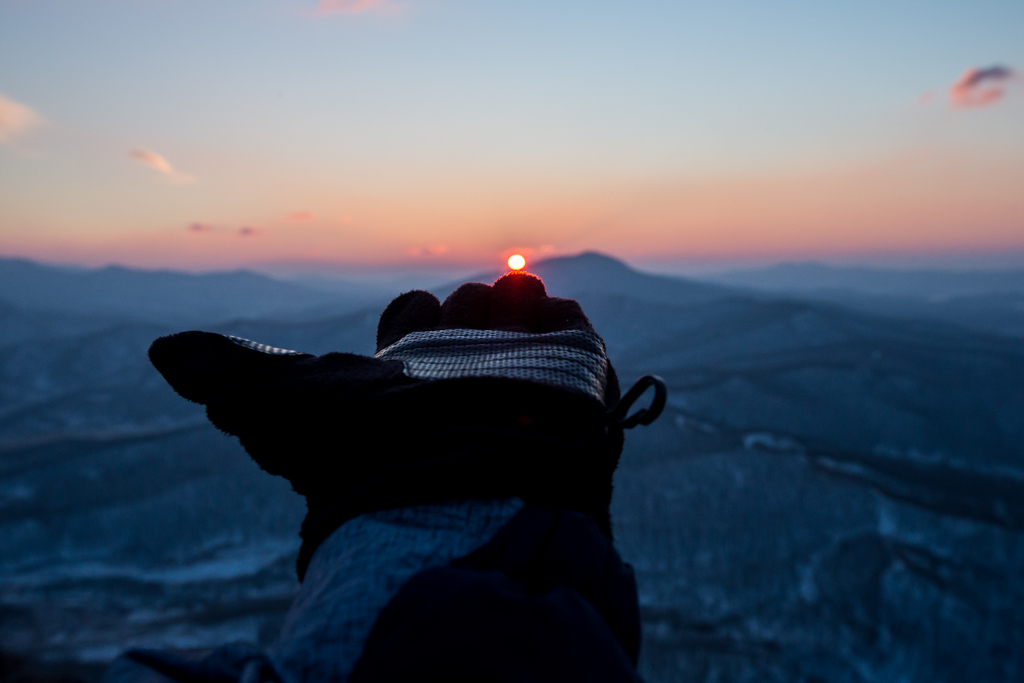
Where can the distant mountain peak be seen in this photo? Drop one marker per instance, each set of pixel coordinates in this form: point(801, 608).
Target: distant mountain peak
point(590, 259)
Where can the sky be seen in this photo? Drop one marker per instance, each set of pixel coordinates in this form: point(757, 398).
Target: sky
point(449, 133)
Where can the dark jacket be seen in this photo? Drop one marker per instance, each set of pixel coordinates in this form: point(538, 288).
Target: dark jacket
point(540, 596)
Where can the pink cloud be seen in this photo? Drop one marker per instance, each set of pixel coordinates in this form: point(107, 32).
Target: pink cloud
point(244, 231)
point(980, 87)
point(432, 250)
point(159, 164)
point(356, 7)
point(15, 118)
point(299, 216)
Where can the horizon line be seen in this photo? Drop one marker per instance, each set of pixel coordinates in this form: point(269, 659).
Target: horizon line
point(987, 260)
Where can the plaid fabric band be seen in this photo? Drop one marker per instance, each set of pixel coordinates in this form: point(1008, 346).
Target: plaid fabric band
point(263, 348)
point(572, 359)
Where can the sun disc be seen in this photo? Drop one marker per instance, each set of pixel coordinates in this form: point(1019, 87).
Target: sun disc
point(516, 262)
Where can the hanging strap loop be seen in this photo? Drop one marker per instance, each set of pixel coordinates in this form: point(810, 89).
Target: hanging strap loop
point(644, 416)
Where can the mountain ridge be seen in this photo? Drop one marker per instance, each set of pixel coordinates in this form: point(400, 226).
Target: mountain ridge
point(925, 283)
point(157, 295)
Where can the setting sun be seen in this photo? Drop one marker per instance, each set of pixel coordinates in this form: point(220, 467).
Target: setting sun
point(516, 262)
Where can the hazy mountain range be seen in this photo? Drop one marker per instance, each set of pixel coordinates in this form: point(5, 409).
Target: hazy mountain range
point(836, 492)
point(169, 297)
point(990, 300)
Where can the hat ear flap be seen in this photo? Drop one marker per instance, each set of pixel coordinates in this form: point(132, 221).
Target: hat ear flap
point(201, 365)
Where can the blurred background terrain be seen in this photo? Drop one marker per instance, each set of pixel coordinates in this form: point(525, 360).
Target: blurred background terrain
point(835, 492)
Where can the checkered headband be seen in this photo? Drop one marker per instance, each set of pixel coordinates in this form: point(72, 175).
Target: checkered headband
point(572, 359)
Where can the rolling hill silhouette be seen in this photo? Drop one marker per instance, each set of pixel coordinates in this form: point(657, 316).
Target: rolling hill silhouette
point(157, 296)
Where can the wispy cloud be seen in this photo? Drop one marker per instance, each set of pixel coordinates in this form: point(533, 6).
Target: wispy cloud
point(980, 87)
point(15, 118)
point(433, 250)
point(159, 164)
point(299, 216)
point(204, 228)
point(386, 7)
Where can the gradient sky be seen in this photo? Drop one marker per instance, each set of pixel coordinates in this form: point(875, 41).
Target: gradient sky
point(218, 133)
